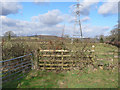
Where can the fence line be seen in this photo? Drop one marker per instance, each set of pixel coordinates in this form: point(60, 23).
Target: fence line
point(15, 68)
point(60, 59)
point(47, 59)
point(14, 58)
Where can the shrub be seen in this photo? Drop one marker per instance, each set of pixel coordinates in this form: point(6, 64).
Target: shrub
point(14, 49)
point(101, 40)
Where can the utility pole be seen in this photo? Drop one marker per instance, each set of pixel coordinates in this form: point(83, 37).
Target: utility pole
point(63, 31)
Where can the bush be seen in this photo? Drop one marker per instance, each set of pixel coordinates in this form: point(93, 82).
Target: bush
point(14, 49)
point(101, 40)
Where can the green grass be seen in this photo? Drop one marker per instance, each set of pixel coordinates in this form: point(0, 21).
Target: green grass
point(104, 48)
point(98, 79)
point(41, 79)
point(71, 79)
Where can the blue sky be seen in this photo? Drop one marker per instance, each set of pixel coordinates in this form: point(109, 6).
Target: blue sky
point(98, 18)
point(31, 9)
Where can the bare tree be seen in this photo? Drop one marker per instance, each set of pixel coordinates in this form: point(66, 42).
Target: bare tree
point(114, 35)
point(9, 34)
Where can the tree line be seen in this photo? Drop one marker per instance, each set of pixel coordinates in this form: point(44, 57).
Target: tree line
point(111, 39)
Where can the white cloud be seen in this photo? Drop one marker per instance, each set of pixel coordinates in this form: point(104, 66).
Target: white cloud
point(106, 28)
point(108, 8)
point(85, 19)
point(29, 28)
point(51, 18)
point(37, 1)
point(42, 2)
point(52, 27)
point(9, 8)
point(88, 30)
point(86, 6)
point(92, 31)
point(72, 19)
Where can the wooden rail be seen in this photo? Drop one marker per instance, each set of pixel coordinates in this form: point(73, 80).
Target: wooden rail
point(60, 59)
point(54, 51)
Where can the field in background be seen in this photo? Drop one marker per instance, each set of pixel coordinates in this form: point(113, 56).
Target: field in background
point(87, 78)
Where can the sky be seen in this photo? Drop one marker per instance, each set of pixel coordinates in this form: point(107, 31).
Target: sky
point(50, 18)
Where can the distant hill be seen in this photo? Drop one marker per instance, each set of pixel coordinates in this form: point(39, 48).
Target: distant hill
point(48, 37)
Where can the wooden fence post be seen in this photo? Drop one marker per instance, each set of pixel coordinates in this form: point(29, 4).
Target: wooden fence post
point(36, 61)
point(93, 53)
point(113, 57)
point(62, 59)
point(33, 58)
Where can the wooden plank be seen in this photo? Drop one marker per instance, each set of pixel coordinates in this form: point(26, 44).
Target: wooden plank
point(57, 68)
point(57, 64)
point(63, 61)
point(50, 60)
point(60, 51)
point(56, 55)
point(55, 60)
point(66, 68)
point(45, 55)
point(115, 56)
point(47, 68)
point(54, 51)
point(104, 58)
point(104, 53)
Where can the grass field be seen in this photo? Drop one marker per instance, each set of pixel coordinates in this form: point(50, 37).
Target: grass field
point(69, 79)
point(87, 78)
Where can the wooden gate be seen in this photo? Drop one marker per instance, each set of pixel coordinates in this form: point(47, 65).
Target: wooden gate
point(61, 59)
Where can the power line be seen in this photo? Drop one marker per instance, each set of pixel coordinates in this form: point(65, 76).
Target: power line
point(76, 13)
